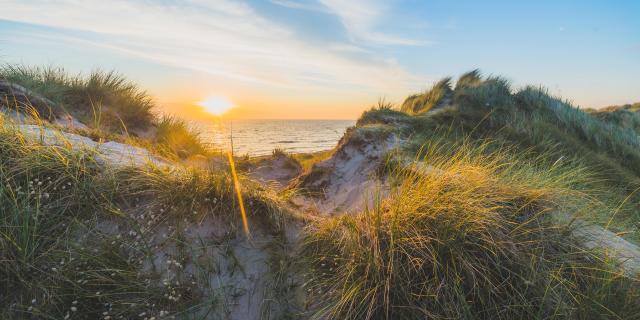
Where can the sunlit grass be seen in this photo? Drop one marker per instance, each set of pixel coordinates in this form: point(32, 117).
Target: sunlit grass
point(530, 119)
point(436, 96)
point(112, 107)
point(57, 259)
point(466, 235)
point(104, 99)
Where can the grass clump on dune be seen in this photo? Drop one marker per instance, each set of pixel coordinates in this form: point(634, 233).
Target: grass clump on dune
point(465, 234)
point(47, 196)
point(179, 138)
point(77, 238)
point(437, 96)
point(469, 79)
point(112, 107)
point(102, 99)
point(625, 116)
point(530, 119)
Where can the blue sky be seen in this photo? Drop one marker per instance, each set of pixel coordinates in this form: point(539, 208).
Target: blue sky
point(330, 58)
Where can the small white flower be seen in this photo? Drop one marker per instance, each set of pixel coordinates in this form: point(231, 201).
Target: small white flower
point(74, 309)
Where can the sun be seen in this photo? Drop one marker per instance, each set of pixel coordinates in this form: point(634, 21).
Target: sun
point(216, 105)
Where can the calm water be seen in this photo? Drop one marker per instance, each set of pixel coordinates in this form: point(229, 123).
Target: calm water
point(260, 137)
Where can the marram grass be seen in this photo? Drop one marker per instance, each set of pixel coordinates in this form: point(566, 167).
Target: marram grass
point(465, 235)
point(111, 106)
point(57, 260)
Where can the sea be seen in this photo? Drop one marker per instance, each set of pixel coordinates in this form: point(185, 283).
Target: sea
point(261, 137)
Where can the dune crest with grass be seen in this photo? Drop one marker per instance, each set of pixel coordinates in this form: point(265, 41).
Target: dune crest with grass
point(470, 200)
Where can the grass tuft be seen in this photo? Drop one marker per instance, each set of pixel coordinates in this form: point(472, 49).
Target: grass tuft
point(465, 234)
point(178, 137)
point(469, 79)
point(437, 96)
point(104, 99)
point(75, 235)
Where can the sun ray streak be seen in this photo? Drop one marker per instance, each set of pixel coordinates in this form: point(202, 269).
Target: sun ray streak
point(236, 185)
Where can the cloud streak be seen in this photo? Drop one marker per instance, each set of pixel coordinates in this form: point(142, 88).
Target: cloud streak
point(223, 38)
point(360, 18)
point(302, 5)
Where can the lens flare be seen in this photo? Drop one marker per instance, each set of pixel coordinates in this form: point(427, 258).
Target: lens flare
point(236, 183)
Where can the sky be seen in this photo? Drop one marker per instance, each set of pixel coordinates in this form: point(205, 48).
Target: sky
point(329, 59)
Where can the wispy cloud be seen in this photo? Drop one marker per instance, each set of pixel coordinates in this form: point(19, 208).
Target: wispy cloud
point(303, 5)
point(225, 38)
point(362, 17)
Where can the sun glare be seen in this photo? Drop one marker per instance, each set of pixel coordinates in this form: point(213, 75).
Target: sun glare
point(216, 105)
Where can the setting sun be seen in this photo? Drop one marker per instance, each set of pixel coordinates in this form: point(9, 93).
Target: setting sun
point(216, 105)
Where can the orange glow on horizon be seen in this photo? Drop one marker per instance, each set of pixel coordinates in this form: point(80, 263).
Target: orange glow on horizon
point(216, 105)
point(200, 103)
